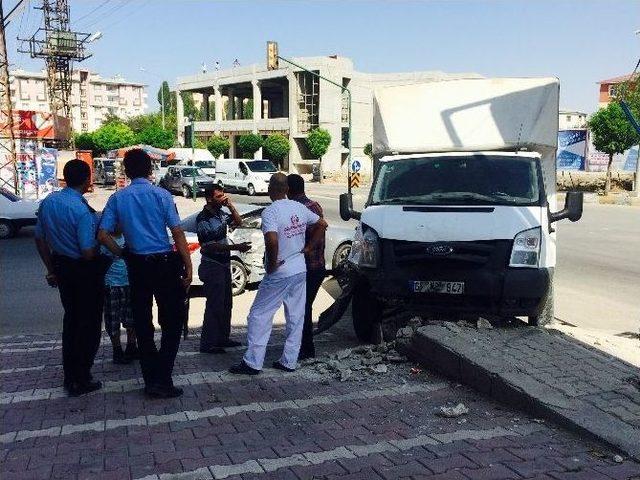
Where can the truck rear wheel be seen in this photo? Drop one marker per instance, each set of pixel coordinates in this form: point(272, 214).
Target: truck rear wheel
point(366, 312)
point(546, 313)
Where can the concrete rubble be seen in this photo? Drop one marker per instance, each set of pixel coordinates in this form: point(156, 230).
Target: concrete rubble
point(453, 412)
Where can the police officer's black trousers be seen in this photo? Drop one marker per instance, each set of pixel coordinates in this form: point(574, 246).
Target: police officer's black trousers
point(157, 276)
point(217, 313)
point(81, 290)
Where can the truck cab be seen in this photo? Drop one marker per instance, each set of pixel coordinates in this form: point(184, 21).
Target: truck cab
point(458, 230)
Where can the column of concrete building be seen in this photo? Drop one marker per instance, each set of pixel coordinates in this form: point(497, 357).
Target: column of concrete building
point(294, 152)
point(180, 117)
point(257, 110)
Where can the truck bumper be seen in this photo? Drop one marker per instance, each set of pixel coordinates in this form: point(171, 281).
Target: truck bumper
point(490, 287)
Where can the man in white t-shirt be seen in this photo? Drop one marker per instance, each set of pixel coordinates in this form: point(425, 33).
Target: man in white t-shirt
point(284, 224)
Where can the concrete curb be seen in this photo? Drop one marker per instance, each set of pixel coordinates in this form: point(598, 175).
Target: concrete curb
point(437, 348)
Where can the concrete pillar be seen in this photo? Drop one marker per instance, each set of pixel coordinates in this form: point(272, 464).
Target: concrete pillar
point(232, 146)
point(257, 104)
point(217, 98)
point(293, 104)
point(231, 107)
point(205, 99)
point(180, 117)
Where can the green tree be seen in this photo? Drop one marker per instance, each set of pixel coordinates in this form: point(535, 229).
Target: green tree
point(612, 134)
point(368, 150)
point(155, 136)
point(249, 144)
point(112, 136)
point(199, 143)
point(84, 141)
point(218, 145)
point(247, 109)
point(110, 118)
point(318, 142)
point(169, 100)
point(277, 147)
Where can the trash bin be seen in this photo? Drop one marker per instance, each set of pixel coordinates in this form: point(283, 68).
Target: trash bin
point(315, 172)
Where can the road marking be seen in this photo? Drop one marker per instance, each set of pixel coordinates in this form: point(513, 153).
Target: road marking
point(268, 465)
point(21, 369)
point(220, 412)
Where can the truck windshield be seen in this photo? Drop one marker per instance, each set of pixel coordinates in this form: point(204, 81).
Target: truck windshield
point(261, 166)
point(192, 172)
point(468, 180)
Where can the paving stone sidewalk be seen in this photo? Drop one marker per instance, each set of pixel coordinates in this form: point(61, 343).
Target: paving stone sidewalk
point(304, 425)
point(543, 372)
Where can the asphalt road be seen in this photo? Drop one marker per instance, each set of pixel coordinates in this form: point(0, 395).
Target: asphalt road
point(596, 280)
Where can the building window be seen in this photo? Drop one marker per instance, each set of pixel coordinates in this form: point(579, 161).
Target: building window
point(568, 118)
point(111, 98)
point(613, 90)
point(112, 88)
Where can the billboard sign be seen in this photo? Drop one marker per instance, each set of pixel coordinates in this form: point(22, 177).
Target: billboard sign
point(572, 149)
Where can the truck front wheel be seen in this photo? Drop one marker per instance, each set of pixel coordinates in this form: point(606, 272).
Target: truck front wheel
point(366, 311)
point(546, 313)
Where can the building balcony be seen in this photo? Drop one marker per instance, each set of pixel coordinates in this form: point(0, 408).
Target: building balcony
point(264, 125)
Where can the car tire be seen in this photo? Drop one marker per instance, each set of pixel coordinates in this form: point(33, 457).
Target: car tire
point(186, 191)
point(7, 229)
point(239, 277)
point(546, 314)
point(251, 190)
point(366, 313)
point(340, 255)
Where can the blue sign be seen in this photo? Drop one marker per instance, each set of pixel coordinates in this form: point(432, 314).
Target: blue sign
point(356, 166)
point(572, 149)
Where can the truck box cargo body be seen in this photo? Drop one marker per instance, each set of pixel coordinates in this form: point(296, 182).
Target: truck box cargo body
point(460, 217)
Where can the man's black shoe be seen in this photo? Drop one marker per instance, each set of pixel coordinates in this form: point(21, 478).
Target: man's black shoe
point(232, 344)
point(214, 350)
point(78, 389)
point(163, 391)
point(243, 369)
point(279, 366)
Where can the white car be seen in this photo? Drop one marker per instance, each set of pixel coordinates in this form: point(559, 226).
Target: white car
point(15, 213)
point(244, 175)
point(248, 267)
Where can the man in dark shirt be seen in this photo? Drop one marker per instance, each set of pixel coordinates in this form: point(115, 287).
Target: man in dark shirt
point(215, 269)
point(314, 259)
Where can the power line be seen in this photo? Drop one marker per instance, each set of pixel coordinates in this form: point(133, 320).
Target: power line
point(94, 10)
point(108, 13)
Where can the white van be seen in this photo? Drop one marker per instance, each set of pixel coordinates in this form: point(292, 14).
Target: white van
point(461, 217)
point(199, 157)
point(249, 175)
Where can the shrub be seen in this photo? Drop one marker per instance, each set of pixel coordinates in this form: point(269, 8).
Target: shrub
point(155, 136)
point(249, 144)
point(318, 142)
point(218, 145)
point(277, 147)
point(368, 150)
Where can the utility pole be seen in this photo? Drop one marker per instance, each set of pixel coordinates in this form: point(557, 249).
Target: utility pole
point(59, 47)
point(8, 170)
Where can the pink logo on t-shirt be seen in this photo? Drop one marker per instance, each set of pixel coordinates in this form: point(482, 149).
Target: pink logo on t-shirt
point(296, 228)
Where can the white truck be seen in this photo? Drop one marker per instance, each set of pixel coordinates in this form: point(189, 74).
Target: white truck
point(460, 219)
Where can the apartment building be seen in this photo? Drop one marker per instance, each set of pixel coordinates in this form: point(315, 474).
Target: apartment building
point(571, 120)
point(609, 87)
point(292, 102)
point(92, 96)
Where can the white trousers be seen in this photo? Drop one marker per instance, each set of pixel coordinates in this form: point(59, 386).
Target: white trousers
point(272, 293)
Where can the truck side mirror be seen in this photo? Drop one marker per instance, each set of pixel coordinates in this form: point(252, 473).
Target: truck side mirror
point(572, 208)
point(346, 207)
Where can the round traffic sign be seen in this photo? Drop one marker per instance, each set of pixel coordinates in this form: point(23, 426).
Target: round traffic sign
point(355, 166)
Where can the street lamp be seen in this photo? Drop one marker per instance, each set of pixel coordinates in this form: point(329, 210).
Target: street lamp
point(95, 36)
point(142, 69)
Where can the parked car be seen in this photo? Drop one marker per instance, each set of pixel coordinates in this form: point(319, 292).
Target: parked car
point(248, 267)
point(199, 157)
point(104, 171)
point(180, 179)
point(15, 213)
point(251, 176)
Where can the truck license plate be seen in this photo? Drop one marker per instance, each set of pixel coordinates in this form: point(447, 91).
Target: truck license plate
point(436, 286)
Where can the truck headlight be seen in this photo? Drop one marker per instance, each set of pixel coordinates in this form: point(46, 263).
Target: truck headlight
point(526, 248)
point(365, 249)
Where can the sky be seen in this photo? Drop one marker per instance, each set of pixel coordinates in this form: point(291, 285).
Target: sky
point(578, 41)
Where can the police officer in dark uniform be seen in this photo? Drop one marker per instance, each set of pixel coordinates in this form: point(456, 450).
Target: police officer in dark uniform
point(144, 212)
point(66, 242)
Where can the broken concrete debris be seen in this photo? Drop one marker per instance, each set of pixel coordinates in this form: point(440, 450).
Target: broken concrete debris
point(453, 412)
point(483, 323)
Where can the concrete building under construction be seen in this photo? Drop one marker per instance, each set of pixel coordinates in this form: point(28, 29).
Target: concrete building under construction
point(293, 102)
